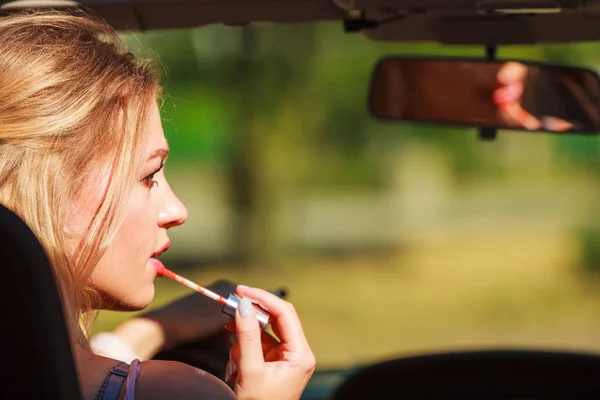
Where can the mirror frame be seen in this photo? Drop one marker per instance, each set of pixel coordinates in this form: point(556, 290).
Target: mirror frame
point(387, 58)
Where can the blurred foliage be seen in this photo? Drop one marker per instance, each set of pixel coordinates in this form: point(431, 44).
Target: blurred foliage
point(282, 108)
point(589, 242)
point(209, 70)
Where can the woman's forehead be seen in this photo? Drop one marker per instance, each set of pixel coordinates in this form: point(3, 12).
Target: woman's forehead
point(157, 143)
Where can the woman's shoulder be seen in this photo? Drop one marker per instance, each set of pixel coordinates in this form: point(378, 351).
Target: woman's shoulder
point(175, 380)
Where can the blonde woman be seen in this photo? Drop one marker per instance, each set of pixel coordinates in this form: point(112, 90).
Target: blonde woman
point(82, 155)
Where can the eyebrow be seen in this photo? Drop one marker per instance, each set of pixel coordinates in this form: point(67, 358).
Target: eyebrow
point(160, 153)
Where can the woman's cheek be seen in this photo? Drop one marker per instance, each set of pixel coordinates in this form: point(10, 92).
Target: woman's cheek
point(139, 226)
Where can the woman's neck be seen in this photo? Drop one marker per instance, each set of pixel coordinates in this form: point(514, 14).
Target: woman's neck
point(91, 369)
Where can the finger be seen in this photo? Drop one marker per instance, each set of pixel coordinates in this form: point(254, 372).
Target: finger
point(521, 116)
point(230, 326)
point(283, 315)
point(251, 360)
point(235, 352)
point(267, 339)
point(270, 354)
point(556, 124)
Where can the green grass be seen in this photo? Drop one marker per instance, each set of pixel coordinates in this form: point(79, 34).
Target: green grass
point(478, 291)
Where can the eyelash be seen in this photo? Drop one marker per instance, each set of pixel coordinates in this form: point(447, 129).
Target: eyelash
point(149, 180)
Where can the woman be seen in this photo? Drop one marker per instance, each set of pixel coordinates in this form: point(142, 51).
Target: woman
point(82, 153)
point(553, 99)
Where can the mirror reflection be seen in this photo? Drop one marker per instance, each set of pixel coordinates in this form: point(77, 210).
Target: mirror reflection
point(502, 94)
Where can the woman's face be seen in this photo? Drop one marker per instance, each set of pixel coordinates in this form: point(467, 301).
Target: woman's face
point(125, 275)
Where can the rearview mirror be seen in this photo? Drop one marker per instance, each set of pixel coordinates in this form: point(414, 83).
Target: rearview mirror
point(499, 94)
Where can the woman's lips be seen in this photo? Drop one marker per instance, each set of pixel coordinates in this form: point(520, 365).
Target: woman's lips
point(162, 249)
point(157, 265)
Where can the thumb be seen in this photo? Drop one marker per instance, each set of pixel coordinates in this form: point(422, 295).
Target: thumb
point(251, 359)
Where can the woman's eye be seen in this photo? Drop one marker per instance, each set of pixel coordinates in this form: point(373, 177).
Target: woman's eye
point(149, 181)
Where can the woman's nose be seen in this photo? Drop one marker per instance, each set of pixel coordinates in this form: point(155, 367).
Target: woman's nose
point(173, 212)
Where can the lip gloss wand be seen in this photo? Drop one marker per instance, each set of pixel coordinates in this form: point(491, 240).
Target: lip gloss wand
point(230, 304)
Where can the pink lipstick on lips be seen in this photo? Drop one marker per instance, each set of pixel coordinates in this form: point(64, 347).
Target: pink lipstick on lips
point(162, 249)
point(156, 263)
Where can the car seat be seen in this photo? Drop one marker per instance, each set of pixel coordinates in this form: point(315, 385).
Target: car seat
point(37, 357)
point(481, 375)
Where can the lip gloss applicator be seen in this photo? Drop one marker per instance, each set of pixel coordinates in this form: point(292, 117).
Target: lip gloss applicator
point(230, 304)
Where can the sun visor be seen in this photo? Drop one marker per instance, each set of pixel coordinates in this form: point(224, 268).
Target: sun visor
point(139, 15)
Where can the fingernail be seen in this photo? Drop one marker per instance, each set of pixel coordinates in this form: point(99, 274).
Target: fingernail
point(242, 286)
point(230, 370)
point(246, 308)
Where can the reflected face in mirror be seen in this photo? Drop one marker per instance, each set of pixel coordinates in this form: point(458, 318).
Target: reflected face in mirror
point(487, 93)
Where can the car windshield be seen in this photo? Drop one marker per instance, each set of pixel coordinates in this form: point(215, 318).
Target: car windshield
point(391, 239)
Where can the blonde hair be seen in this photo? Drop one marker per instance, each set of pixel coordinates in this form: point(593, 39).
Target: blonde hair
point(71, 100)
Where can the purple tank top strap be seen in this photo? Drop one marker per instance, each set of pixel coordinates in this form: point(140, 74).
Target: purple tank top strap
point(113, 384)
point(134, 371)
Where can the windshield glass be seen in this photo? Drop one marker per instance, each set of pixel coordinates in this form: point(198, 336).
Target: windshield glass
point(392, 239)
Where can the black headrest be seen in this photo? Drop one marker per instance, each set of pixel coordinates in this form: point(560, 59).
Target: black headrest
point(489, 375)
point(37, 358)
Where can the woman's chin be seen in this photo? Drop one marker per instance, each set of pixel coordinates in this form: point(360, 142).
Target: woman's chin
point(141, 302)
point(134, 301)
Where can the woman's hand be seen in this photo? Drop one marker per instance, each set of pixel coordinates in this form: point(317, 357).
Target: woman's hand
point(261, 367)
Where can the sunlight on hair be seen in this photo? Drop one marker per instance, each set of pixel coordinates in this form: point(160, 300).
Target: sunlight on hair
point(73, 99)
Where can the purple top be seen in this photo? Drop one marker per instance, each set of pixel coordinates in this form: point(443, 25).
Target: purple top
point(119, 374)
